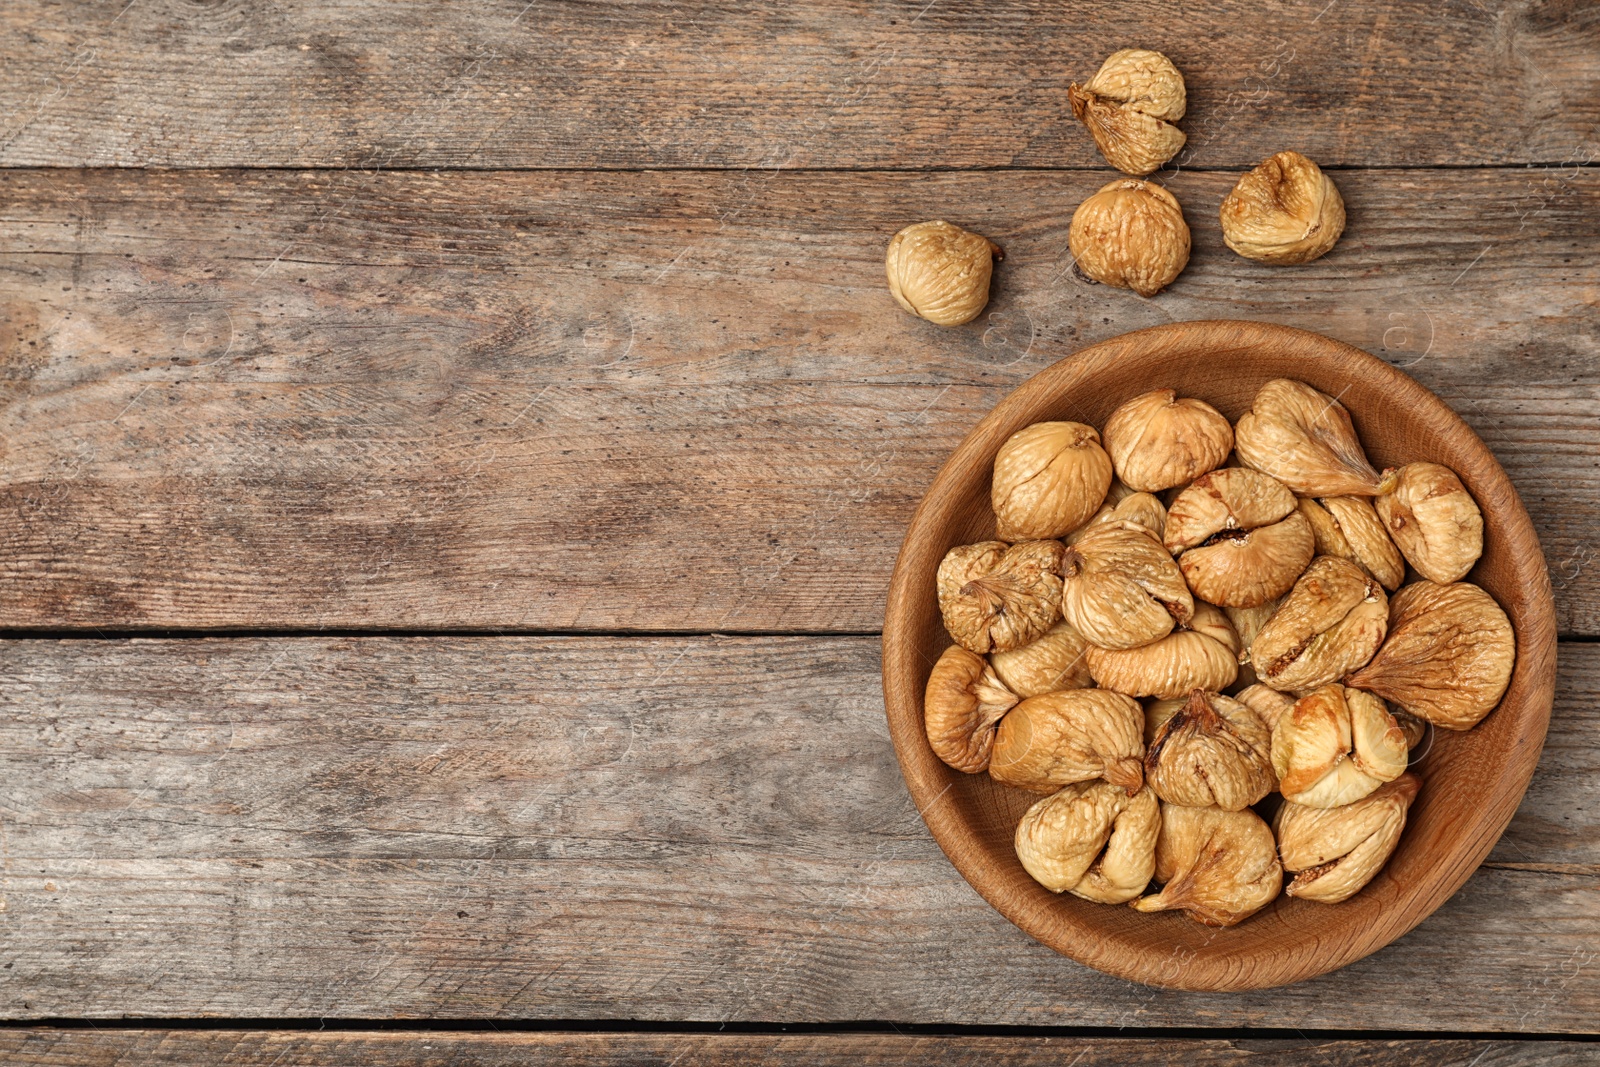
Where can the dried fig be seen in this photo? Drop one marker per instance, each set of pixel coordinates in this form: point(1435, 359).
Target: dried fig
point(1221, 867)
point(1131, 235)
point(1141, 508)
point(1048, 665)
point(1214, 752)
point(1237, 536)
point(1077, 735)
point(1204, 655)
point(1304, 438)
point(1266, 702)
point(1433, 519)
point(1348, 527)
point(941, 272)
point(1284, 211)
point(1157, 441)
point(1335, 746)
point(1334, 852)
point(1331, 622)
point(1093, 840)
point(1157, 712)
point(1130, 106)
point(1448, 657)
point(1049, 478)
point(1120, 588)
point(963, 702)
point(1247, 622)
point(1416, 730)
point(996, 597)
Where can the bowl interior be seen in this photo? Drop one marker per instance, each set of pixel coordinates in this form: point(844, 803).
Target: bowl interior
point(1472, 782)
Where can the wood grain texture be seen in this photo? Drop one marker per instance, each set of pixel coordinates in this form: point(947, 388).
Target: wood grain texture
point(280, 1048)
point(659, 828)
point(822, 83)
point(652, 401)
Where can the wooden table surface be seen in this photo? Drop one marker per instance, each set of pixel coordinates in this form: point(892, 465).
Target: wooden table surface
point(454, 456)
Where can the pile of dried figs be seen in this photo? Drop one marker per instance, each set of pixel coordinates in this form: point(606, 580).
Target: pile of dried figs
point(1183, 617)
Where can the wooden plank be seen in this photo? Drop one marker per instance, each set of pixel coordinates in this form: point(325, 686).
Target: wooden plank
point(288, 1048)
point(704, 828)
point(651, 401)
point(821, 83)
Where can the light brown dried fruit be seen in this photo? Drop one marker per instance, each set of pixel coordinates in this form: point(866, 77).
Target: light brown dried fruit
point(1049, 479)
point(1120, 589)
point(1266, 702)
point(1304, 438)
point(1141, 508)
point(1220, 867)
point(1348, 527)
point(941, 272)
point(1077, 735)
point(1247, 622)
point(1331, 622)
point(1093, 840)
point(995, 597)
point(1335, 746)
point(1048, 665)
point(1131, 235)
point(1285, 211)
point(1157, 440)
point(1204, 655)
point(1156, 712)
point(960, 707)
point(1240, 566)
point(1433, 519)
point(1233, 498)
point(1334, 852)
point(1214, 751)
point(1448, 657)
point(1130, 106)
point(1416, 730)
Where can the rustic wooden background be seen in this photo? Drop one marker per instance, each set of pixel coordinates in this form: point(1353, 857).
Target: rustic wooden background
point(454, 456)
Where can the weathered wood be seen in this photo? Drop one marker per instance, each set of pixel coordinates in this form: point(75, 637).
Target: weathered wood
point(657, 401)
point(287, 1048)
point(656, 828)
point(822, 83)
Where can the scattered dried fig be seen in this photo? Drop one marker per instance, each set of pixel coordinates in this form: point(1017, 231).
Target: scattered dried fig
point(1331, 622)
point(1130, 106)
point(1120, 588)
point(1093, 840)
point(1334, 852)
point(1238, 538)
point(1448, 657)
point(1335, 746)
point(1048, 665)
point(941, 272)
point(1304, 438)
point(1130, 234)
point(1077, 735)
point(1348, 527)
point(1433, 519)
point(1157, 441)
point(1049, 478)
point(1204, 655)
point(1266, 702)
point(963, 702)
point(1141, 508)
point(996, 597)
point(1214, 752)
point(1285, 211)
point(1220, 867)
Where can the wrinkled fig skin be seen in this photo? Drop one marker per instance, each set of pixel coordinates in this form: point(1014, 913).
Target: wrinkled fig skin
point(996, 597)
point(941, 272)
point(1166, 669)
point(1331, 623)
point(1156, 712)
point(1335, 746)
point(1304, 438)
point(1433, 519)
point(1234, 498)
point(1048, 665)
point(1049, 479)
point(1269, 704)
point(1131, 235)
point(1334, 852)
point(1246, 568)
point(961, 705)
point(1077, 735)
point(1093, 840)
point(1129, 107)
point(1448, 657)
point(1157, 440)
point(1349, 527)
point(1220, 867)
point(1120, 589)
point(1285, 211)
point(1141, 508)
point(1213, 752)
point(1247, 622)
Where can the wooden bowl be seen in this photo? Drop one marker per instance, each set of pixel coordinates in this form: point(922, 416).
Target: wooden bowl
point(1472, 781)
